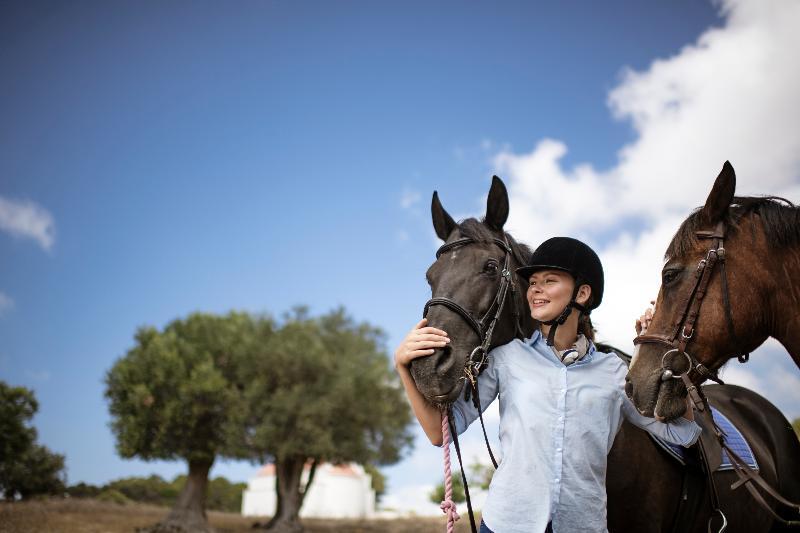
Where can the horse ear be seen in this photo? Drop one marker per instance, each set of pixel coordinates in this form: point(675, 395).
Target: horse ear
point(497, 205)
point(721, 195)
point(443, 223)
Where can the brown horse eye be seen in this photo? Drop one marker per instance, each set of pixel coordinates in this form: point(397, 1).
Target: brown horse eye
point(669, 276)
point(490, 267)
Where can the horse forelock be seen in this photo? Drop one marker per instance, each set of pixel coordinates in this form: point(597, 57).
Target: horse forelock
point(478, 230)
point(779, 218)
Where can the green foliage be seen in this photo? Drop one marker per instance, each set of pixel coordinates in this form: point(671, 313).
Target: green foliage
point(481, 474)
point(378, 480)
point(113, 496)
point(322, 388)
point(222, 494)
point(437, 494)
point(796, 426)
point(83, 490)
point(171, 394)
point(151, 489)
point(26, 468)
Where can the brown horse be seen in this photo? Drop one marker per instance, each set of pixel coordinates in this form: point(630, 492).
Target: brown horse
point(761, 275)
point(647, 490)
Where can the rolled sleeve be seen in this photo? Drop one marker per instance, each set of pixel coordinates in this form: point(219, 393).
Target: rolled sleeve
point(682, 432)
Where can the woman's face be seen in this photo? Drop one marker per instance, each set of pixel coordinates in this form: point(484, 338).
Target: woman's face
point(549, 292)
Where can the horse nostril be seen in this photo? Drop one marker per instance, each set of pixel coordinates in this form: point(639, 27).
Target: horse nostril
point(629, 389)
point(444, 360)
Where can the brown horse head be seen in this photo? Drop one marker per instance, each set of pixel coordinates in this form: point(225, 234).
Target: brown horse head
point(469, 275)
point(759, 271)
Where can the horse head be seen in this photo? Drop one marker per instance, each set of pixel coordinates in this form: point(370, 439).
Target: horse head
point(466, 281)
point(709, 307)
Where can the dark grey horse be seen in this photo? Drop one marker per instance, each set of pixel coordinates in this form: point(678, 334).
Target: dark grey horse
point(647, 490)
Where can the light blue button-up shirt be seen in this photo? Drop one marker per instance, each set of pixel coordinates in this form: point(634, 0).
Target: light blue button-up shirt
point(557, 425)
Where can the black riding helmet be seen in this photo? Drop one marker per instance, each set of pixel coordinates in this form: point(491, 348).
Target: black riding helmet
point(576, 258)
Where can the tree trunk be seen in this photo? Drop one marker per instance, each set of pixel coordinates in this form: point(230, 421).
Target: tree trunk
point(189, 512)
point(288, 477)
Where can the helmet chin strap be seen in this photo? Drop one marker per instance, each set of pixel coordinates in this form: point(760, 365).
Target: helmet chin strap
point(561, 318)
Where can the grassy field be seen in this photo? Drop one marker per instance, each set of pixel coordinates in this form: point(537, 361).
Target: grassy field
point(91, 516)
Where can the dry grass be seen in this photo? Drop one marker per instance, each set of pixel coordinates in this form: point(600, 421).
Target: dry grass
point(91, 516)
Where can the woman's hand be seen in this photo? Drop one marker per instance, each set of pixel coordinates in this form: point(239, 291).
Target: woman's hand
point(422, 340)
point(644, 321)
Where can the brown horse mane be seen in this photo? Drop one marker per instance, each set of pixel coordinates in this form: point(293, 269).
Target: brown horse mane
point(475, 229)
point(779, 217)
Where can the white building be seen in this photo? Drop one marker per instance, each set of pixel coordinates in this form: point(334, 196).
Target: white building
point(343, 491)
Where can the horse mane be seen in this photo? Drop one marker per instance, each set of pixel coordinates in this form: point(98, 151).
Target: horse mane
point(478, 230)
point(780, 219)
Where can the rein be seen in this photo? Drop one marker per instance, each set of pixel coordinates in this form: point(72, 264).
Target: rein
point(696, 373)
point(476, 363)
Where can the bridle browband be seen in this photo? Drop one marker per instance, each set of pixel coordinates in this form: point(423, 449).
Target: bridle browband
point(483, 327)
point(683, 327)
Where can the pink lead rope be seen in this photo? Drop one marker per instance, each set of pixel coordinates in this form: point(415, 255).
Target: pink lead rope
point(448, 506)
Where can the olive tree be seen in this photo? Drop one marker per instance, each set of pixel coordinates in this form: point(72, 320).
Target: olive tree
point(319, 389)
point(170, 398)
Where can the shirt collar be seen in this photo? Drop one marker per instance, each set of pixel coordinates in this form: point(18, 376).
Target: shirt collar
point(537, 337)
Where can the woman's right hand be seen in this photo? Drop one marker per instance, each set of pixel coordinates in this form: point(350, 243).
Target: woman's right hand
point(422, 340)
point(643, 321)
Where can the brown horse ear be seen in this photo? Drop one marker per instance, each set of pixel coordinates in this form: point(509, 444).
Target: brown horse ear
point(497, 205)
point(443, 223)
point(721, 195)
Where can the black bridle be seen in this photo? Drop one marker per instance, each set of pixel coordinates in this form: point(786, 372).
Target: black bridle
point(483, 327)
point(697, 373)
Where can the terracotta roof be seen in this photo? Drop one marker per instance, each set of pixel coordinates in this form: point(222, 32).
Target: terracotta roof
point(345, 469)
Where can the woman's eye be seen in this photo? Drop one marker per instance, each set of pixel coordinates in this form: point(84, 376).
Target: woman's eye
point(669, 276)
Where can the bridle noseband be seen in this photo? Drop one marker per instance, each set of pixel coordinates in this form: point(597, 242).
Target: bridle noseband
point(484, 327)
point(684, 323)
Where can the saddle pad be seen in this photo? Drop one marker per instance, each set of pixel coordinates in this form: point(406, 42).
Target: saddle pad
point(733, 438)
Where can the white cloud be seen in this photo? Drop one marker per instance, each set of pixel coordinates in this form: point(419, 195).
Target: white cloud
point(27, 220)
point(409, 198)
point(731, 95)
point(6, 303)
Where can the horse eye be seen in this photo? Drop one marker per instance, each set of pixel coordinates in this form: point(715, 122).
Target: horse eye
point(669, 276)
point(491, 267)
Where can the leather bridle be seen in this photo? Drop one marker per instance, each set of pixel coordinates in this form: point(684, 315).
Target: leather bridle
point(484, 327)
point(684, 324)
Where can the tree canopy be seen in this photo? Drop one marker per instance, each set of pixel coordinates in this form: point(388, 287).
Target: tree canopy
point(320, 389)
point(299, 391)
point(171, 397)
point(26, 468)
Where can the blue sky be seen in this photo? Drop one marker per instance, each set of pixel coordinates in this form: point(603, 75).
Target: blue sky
point(168, 158)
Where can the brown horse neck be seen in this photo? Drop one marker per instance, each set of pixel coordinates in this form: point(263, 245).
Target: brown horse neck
point(785, 301)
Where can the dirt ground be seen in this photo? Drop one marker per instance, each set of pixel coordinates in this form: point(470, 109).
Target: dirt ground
point(91, 516)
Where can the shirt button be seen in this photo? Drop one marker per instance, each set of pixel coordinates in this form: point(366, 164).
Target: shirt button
point(557, 480)
point(560, 418)
point(558, 450)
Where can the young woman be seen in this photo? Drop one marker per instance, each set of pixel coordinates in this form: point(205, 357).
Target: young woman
point(561, 401)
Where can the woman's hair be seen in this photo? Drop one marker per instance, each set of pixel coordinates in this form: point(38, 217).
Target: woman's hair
point(585, 321)
point(585, 326)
